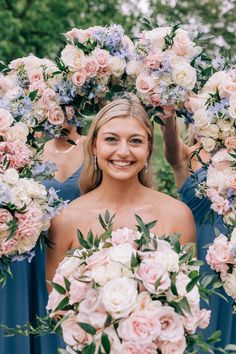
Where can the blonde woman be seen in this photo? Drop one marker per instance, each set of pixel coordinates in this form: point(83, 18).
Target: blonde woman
point(181, 157)
point(116, 176)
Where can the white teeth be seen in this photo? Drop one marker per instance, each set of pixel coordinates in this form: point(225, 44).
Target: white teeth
point(121, 163)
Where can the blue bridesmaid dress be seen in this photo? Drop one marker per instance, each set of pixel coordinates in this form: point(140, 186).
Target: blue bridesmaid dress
point(25, 296)
point(221, 317)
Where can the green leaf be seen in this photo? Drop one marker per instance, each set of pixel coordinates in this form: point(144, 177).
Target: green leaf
point(207, 280)
point(87, 328)
point(134, 261)
point(107, 217)
point(184, 305)
point(174, 241)
point(59, 288)
point(33, 95)
point(173, 285)
point(106, 343)
point(67, 284)
point(196, 263)
point(192, 283)
point(214, 337)
point(61, 306)
point(90, 237)
point(82, 241)
point(157, 283)
point(158, 120)
point(70, 141)
point(108, 320)
point(90, 349)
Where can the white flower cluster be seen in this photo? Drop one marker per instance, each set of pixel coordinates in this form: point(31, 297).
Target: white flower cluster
point(117, 282)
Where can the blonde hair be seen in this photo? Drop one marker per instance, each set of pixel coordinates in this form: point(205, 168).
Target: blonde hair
point(125, 108)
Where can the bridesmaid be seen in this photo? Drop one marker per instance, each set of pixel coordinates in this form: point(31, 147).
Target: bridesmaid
point(179, 157)
point(25, 296)
point(116, 177)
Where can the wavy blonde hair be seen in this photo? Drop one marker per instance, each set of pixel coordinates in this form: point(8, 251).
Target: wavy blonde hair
point(125, 108)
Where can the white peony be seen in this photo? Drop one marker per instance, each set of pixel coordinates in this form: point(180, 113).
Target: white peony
point(73, 57)
point(119, 297)
point(11, 176)
point(19, 131)
point(184, 75)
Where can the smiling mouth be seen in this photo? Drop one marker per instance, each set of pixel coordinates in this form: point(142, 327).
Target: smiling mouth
point(122, 164)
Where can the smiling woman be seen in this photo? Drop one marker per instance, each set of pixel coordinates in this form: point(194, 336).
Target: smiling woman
point(116, 177)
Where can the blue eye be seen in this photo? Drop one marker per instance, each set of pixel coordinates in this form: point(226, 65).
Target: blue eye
point(136, 141)
point(110, 139)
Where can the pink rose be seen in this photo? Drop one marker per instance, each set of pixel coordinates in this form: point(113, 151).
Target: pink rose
point(227, 88)
point(141, 327)
point(6, 120)
point(16, 152)
point(154, 60)
point(173, 347)
point(136, 348)
point(36, 76)
point(93, 309)
point(149, 272)
point(49, 97)
point(14, 64)
point(231, 181)
point(70, 112)
point(102, 57)
point(230, 143)
point(155, 100)
point(5, 218)
point(79, 78)
point(197, 318)
point(54, 300)
point(144, 83)
point(39, 86)
point(181, 43)
point(9, 247)
point(124, 235)
point(55, 115)
point(204, 318)
point(219, 254)
point(98, 258)
point(104, 72)
point(91, 66)
point(73, 333)
point(78, 34)
point(172, 329)
point(30, 222)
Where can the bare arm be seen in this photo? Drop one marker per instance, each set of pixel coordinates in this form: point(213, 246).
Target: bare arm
point(62, 234)
point(184, 223)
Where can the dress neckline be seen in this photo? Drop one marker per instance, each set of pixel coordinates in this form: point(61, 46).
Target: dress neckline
point(72, 175)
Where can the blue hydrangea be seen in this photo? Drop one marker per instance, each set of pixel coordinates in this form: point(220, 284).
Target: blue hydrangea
point(46, 169)
point(66, 91)
point(21, 257)
point(22, 107)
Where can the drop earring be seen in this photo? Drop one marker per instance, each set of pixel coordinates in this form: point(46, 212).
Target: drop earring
point(95, 162)
point(146, 167)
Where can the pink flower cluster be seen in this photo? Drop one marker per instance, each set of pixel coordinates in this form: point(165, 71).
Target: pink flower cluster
point(118, 280)
point(14, 154)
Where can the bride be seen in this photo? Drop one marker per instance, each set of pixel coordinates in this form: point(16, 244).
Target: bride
point(117, 177)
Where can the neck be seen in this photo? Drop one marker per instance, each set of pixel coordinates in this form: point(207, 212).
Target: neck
point(119, 192)
point(72, 135)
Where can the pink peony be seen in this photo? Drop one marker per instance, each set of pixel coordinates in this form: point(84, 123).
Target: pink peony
point(91, 66)
point(6, 120)
point(16, 152)
point(30, 222)
point(154, 60)
point(141, 327)
point(172, 347)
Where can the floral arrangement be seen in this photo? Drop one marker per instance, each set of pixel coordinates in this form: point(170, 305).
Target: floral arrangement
point(221, 258)
point(128, 292)
point(213, 111)
point(163, 68)
point(220, 185)
point(91, 68)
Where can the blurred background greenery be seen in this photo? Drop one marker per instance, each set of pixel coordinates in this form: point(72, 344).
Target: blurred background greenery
point(37, 26)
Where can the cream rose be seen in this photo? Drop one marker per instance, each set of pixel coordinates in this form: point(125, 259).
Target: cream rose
point(184, 75)
point(73, 57)
point(157, 37)
point(11, 176)
point(121, 253)
point(56, 116)
point(119, 297)
point(229, 283)
point(208, 144)
point(117, 66)
point(19, 131)
point(79, 77)
point(145, 83)
point(134, 67)
point(201, 119)
point(6, 120)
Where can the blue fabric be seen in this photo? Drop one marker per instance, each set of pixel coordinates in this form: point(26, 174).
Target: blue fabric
point(222, 317)
point(25, 296)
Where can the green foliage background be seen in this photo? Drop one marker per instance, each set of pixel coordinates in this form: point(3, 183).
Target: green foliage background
point(37, 26)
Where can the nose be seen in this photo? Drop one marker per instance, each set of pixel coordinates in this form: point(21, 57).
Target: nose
point(123, 149)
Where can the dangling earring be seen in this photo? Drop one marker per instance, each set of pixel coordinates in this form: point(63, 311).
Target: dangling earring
point(95, 162)
point(146, 167)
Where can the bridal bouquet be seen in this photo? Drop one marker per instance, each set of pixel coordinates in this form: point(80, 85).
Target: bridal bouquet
point(163, 67)
point(221, 258)
point(128, 292)
point(214, 111)
point(92, 66)
point(220, 185)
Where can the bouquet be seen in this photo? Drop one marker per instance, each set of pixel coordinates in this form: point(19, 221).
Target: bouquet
point(213, 111)
point(163, 69)
point(91, 69)
point(128, 292)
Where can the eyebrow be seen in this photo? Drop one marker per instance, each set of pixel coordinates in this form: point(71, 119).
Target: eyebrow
point(131, 136)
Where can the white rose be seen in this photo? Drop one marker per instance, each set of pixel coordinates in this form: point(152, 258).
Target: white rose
point(19, 131)
point(201, 119)
point(211, 131)
point(182, 280)
point(34, 189)
point(233, 236)
point(170, 260)
point(119, 297)
point(73, 57)
point(114, 270)
point(229, 283)
point(208, 144)
point(99, 275)
point(213, 83)
point(117, 66)
point(19, 196)
point(11, 176)
point(157, 37)
point(26, 244)
point(183, 46)
point(184, 75)
point(121, 253)
point(134, 68)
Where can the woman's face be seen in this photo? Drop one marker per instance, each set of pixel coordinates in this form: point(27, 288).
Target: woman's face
point(122, 148)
